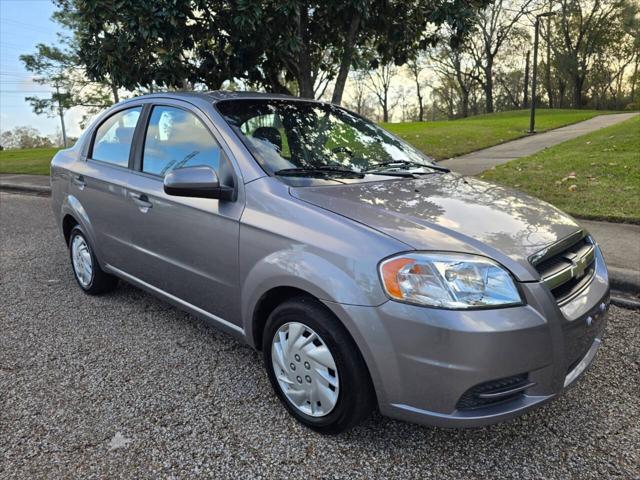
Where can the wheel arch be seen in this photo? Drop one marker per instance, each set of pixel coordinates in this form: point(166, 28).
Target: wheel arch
point(72, 214)
point(267, 303)
point(68, 222)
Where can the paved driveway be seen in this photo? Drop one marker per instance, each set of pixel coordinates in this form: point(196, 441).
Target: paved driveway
point(125, 386)
point(476, 162)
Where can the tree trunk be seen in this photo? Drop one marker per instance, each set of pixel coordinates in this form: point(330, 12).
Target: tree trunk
point(305, 80)
point(275, 86)
point(488, 86)
point(114, 91)
point(385, 108)
point(577, 91)
point(634, 79)
point(562, 90)
point(464, 100)
point(420, 101)
point(345, 61)
point(525, 99)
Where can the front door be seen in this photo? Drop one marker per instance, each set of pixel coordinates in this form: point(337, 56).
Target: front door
point(187, 247)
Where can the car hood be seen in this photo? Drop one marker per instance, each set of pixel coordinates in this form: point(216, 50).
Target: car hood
point(448, 212)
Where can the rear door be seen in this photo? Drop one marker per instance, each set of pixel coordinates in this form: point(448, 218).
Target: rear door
point(99, 183)
point(187, 247)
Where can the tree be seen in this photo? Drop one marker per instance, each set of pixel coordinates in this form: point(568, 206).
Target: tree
point(360, 98)
point(60, 69)
point(379, 84)
point(135, 44)
point(496, 25)
point(460, 71)
point(24, 137)
point(416, 66)
point(584, 29)
point(267, 43)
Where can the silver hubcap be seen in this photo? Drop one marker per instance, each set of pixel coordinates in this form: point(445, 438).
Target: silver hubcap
point(305, 369)
point(81, 256)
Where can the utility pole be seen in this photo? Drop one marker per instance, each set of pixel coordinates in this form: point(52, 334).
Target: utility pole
point(525, 100)
point(532, 120)
point(61, 113)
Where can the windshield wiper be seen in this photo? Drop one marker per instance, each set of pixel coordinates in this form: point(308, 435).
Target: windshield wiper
point(405, 163)
point(322, 170)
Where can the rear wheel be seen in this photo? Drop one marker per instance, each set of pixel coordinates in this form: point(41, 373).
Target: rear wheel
point(315, 367)
point(87, 272)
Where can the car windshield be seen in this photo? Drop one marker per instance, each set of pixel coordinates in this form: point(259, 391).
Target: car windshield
point(290, 137)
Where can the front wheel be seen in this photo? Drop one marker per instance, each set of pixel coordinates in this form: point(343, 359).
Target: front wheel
point(315, 367)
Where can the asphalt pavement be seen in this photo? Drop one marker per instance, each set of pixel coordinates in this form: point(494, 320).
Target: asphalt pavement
point(126, 386)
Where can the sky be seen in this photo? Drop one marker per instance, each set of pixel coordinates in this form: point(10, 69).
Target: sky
point(24, 24)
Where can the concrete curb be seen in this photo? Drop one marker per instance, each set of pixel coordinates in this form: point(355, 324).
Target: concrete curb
point(25, 188)
point(624, 280)
point(624, 301)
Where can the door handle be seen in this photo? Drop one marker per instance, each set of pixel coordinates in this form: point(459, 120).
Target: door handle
point(78, 181)
point(142, 201)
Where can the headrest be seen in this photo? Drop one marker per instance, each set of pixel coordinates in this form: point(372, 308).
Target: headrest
point(270, 134)
point(124, 134)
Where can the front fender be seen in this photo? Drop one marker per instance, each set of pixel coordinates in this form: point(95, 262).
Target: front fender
point(300, 268)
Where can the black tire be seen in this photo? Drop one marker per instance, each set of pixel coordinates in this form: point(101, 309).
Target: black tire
point(100, 282)
point(356, 397)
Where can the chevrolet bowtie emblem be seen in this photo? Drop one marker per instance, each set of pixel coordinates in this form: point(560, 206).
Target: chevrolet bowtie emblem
point(579, 265)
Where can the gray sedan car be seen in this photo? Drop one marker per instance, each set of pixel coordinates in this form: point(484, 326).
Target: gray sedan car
point(366, 274)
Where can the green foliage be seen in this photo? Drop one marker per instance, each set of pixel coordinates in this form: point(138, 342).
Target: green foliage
point(266, 43)
point(24, 137)
point(591, 36)
point(594, 176)
point(60, 69)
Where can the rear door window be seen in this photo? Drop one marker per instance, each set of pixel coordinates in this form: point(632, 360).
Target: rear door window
point(112, 142)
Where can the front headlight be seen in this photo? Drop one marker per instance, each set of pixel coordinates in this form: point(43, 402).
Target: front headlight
point(448, 280)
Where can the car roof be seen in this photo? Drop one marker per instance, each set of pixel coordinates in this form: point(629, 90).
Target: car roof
point(215, 96)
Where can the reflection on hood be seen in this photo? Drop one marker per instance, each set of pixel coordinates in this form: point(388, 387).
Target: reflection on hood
point(448, 212)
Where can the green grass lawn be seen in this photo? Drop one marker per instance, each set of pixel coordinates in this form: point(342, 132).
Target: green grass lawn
point(595, 176)
point(446, 139)
point(34, 160)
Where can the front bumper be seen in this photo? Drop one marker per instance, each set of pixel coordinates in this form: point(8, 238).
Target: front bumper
point(423, 361)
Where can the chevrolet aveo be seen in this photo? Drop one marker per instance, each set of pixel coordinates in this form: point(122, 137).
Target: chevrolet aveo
point(365, 273)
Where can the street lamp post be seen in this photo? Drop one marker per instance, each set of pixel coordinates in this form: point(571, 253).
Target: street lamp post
point(534, 79)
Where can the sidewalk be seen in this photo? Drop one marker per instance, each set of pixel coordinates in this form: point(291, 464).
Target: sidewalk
point(476, 162)
point(37, 184)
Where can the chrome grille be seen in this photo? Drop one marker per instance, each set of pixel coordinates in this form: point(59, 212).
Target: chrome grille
point(566, 271)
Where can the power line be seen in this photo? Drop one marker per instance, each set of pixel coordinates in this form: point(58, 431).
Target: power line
point(13, 74)
point(2, 90)
point(34, 28)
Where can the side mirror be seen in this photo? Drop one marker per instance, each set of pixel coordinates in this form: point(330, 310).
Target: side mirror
point(200, 182)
